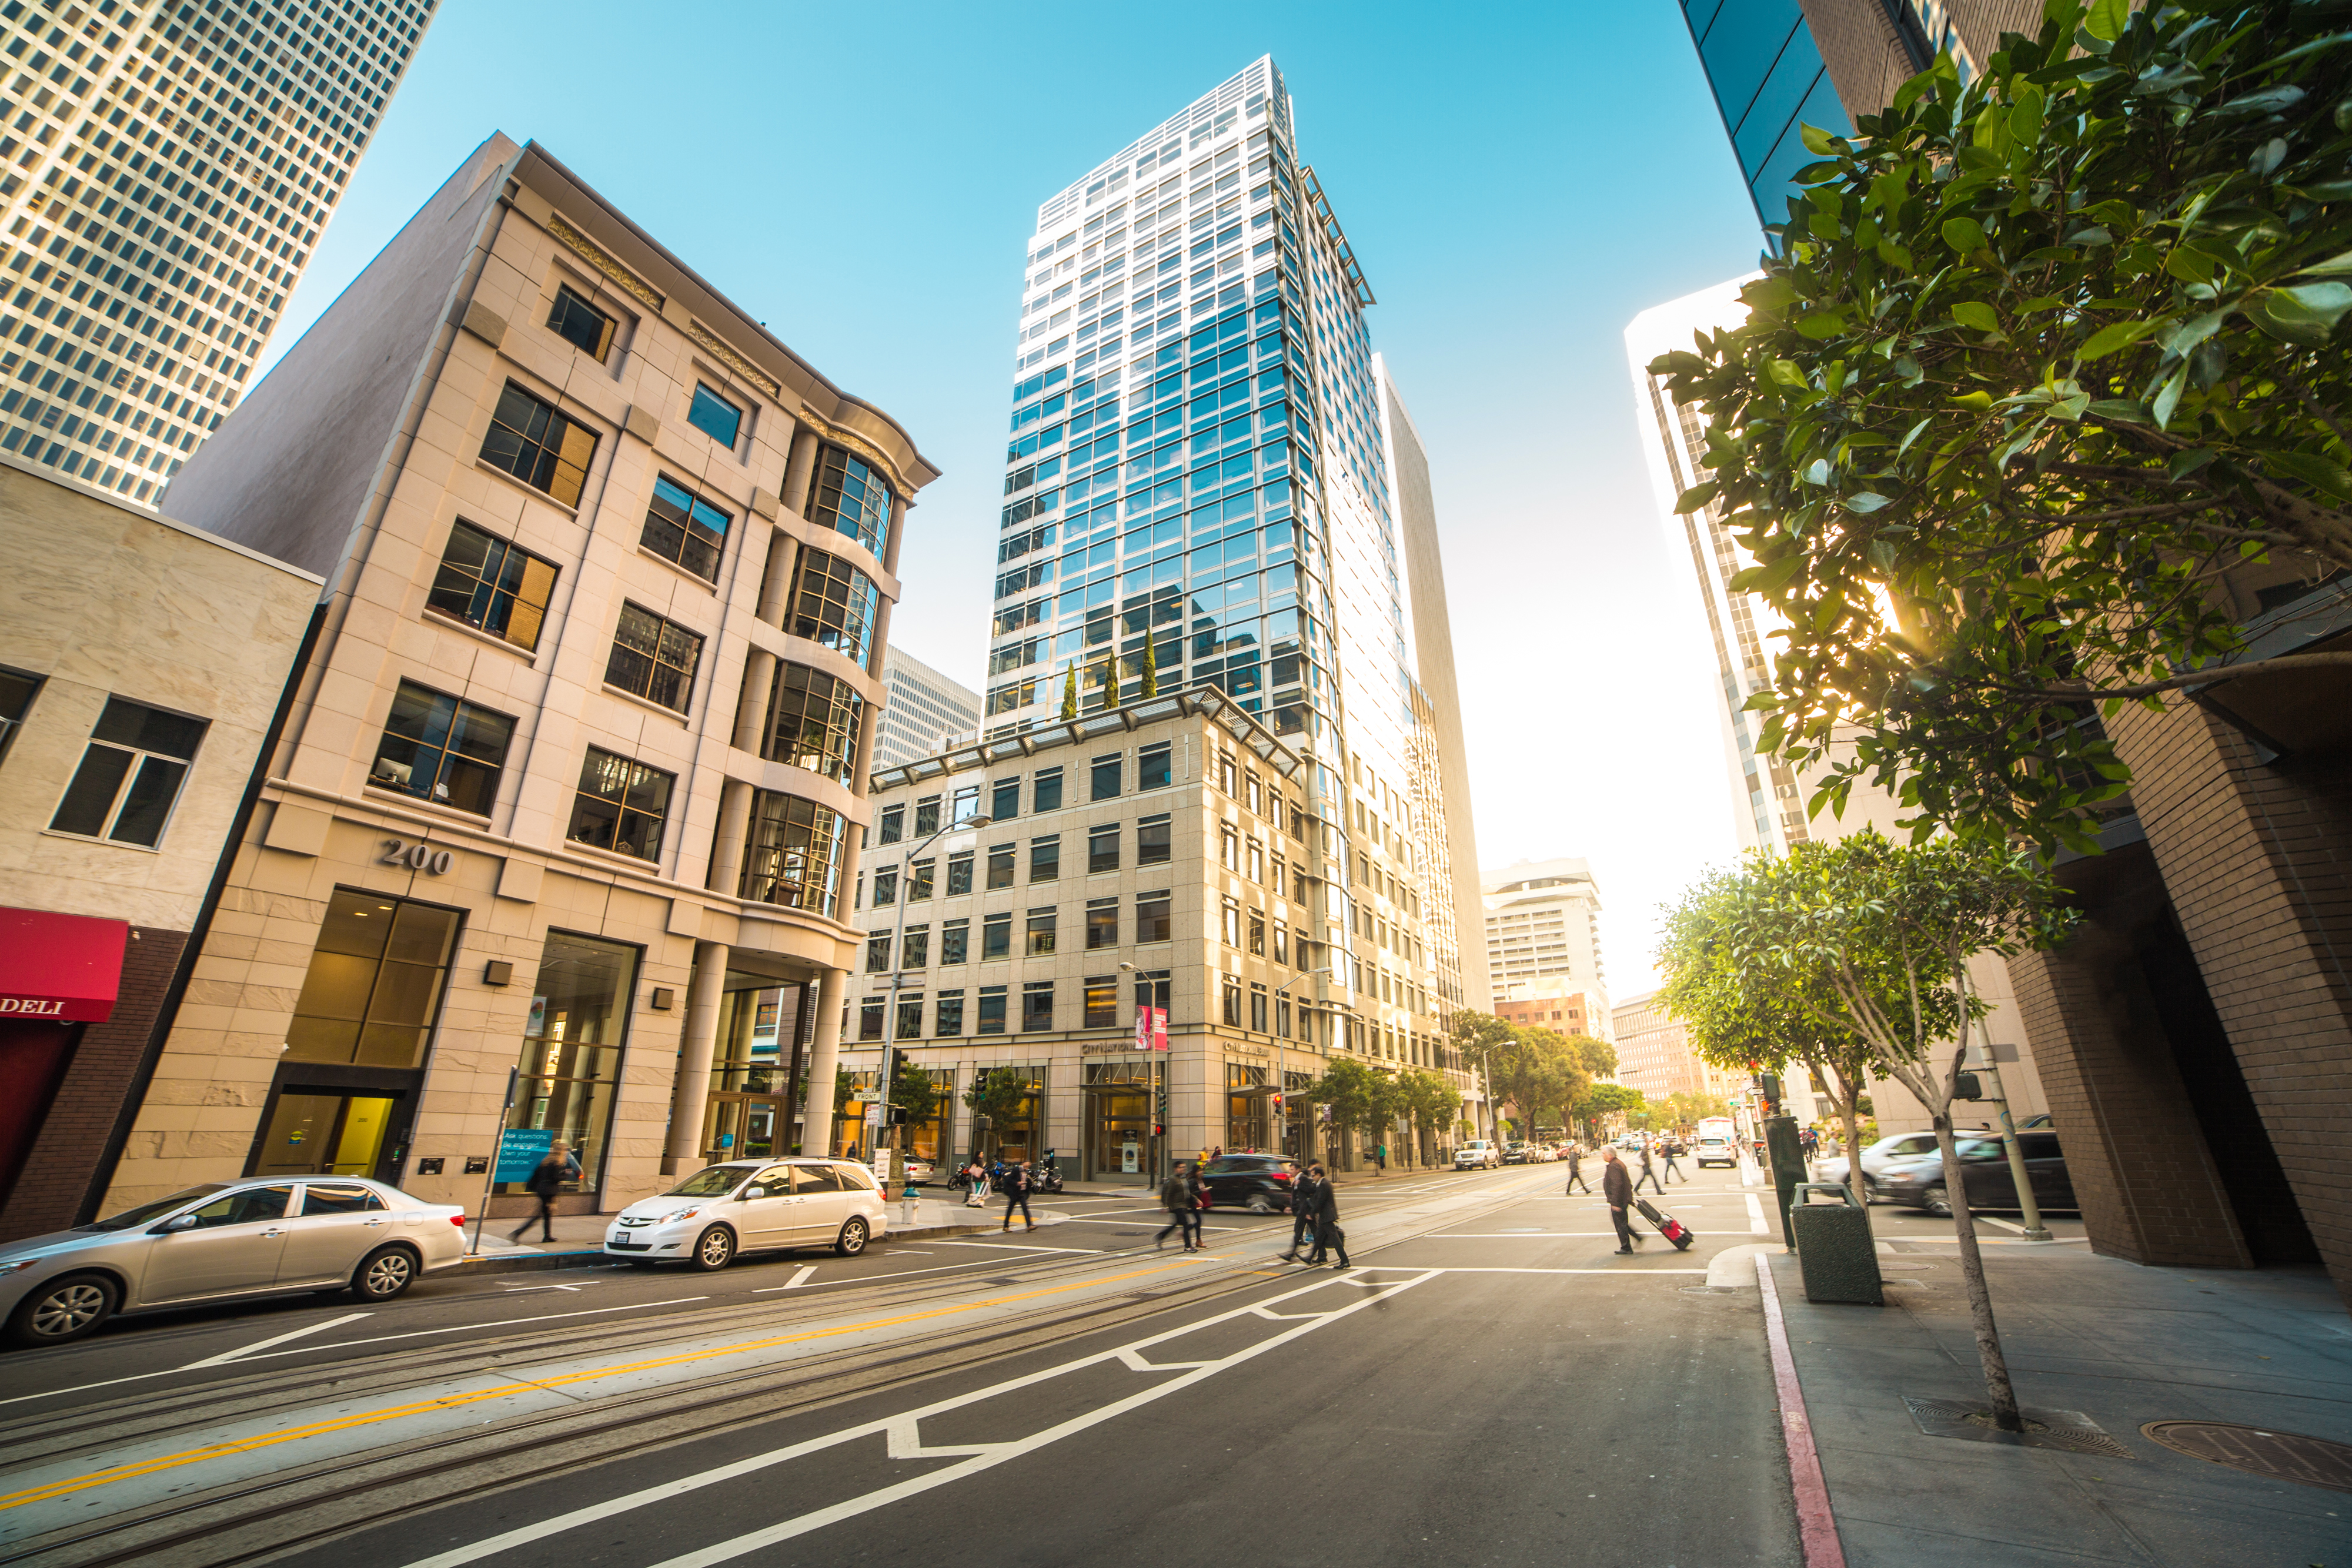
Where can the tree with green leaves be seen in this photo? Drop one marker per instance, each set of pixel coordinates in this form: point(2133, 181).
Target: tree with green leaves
point(1875, 939)
point(1070, 693)
point(1001, 1094)
point(2051, 356)
point(1601, 1101)
point(1151, 671)
point(1477, 1036)
point(1428, 1099)
point(1596, 1057)
point(1538, 1075)
point(914, 1091)
point(1359, 1098)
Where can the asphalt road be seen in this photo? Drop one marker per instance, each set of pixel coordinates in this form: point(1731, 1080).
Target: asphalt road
point(1491, 1383)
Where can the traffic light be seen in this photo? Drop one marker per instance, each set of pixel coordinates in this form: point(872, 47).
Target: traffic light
point(1277, 1105)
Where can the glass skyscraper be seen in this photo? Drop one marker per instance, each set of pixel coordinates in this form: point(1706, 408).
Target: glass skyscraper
point(1198, 493)
point(1765, 69)
point(165, 172)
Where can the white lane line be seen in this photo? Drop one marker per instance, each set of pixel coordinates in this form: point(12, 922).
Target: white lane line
point(800, 1277)
point(902, 1433)
point(250, 1356)
point(228, 1355)
point(1505, 1235)
point(1024, 1247)
point(2004, 1224)
point(1755, 1216)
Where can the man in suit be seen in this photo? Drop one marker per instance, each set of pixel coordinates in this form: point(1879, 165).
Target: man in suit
point(1617, 1188)
point(1328, 1234)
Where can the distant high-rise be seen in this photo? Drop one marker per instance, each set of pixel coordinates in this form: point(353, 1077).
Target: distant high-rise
point(925, 713)
point(1199, 493)
point(1543, 936)
point(168, 169)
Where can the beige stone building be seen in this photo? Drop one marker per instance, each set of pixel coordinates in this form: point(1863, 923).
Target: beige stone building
point(141, 662)
point(1168, 854)
point(571, 785)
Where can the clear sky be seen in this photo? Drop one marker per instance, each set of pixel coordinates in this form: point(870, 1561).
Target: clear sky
point(1517, 181)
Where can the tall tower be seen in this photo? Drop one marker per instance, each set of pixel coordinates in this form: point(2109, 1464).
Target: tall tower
point(1198, 494)
point(168, 167)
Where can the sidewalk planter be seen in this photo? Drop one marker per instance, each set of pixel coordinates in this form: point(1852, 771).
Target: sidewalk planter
point(1834, 1245)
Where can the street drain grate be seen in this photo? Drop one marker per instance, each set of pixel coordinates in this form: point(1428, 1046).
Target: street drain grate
point(2069, 1430)
point(2313, 1462)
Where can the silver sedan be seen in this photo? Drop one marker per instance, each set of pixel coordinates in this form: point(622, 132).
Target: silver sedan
point(222, 1240)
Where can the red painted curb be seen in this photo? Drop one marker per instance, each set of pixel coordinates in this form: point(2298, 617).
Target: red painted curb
point(1816, 1526)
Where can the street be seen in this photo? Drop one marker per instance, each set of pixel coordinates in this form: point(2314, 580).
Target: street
point(1490, 1378)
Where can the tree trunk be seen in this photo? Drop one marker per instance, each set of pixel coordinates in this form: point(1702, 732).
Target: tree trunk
point(1988, 1355)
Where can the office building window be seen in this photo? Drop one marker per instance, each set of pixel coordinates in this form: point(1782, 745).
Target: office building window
point(1154, 767)
point(1257, 933)
point(653, 657)
point(919, 881)
point(877, 954)
point(1231, 927)
point(1256, 799)
point(1232, 1012)
point(715, 416)
point(991, 1010)
point(914, 948)
point(622, 805)
point(869, 1018)
point(959, 873)
point(1282, 943)
point(17, 692)
point(1256, 862)
point(1045, 858)
point(438, 749)
point(953, 937)
point(1037, 1004)
point(996, 936)
point(948, 1017)
point(580, 324)
point(1229, 849)
point(963, 803)
point(1282, 1015)
point(910, 1019)
point(1153, 839)
point(836, 605)
point(538, 446)
point(1102, 923)
point(129, 775)
point(892, 825)
point(682, 527)
point(1005, 800)
point(375, 983)
point(492, 586)
point(849, 497)
point(1258, 1007)
point(794, 855)
point(1152, 920)
point(1106, 778)
point(886, 886)
point(1000, 866)
point(1042, 925)
point(1102, 1001)
point(1046, 794)
point(926, 816)
point(814, 722)
point(1102, 848)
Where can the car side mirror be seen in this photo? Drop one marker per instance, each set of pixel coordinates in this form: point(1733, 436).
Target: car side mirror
point(751, 1192)
point(185, 1222)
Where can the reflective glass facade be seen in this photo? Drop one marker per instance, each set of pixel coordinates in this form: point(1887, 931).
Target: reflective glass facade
point(1767, 73)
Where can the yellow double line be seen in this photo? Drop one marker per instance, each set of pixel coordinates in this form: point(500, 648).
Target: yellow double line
point(506, 1390)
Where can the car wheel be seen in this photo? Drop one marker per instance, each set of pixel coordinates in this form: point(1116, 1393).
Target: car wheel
point(65, 1309)
point(715, 1247)
point(1260, 1204)
point(384, 1273)
point(1870, 1193)
point(1937, 1201)
point(852, 1240)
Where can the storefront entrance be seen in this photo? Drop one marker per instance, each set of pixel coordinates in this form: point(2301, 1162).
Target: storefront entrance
point(313, 1133)
point(1118, 1121)
point(743, 1127)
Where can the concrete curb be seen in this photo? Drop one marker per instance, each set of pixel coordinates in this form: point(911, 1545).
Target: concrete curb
point(592, 1257)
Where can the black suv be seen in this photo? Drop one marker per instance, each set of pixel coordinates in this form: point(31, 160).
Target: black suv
point(1260, 1183)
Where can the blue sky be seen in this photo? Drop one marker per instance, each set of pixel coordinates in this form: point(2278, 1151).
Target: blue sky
point(1517, 182)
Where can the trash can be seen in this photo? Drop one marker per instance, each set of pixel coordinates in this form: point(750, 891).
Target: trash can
point(1833, 1245)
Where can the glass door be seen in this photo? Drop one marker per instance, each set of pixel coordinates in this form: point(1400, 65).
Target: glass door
point(742, 1128)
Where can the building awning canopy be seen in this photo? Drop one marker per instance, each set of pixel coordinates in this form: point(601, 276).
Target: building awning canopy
point(63, 968)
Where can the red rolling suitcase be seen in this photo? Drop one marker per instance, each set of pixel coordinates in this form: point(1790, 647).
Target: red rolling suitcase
point(1672, 1229)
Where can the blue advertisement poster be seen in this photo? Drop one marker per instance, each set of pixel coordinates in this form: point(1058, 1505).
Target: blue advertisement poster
point(519, 1151)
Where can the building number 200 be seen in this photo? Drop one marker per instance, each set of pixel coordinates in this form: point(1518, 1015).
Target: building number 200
point(417, 857)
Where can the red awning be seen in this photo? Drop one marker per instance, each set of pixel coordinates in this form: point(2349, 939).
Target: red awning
point(65, 968)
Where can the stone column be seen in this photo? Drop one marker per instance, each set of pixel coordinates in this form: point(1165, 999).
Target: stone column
point(751, 703)
point(691, 1092)
point(824, 1060)
point(734, 832)
point(898, 506)
point(799, 470)
point(776, 585)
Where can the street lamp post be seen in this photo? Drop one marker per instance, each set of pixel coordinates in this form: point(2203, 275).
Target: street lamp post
point(884, 1078)
point(1154, 1085)
point(1282, 1062)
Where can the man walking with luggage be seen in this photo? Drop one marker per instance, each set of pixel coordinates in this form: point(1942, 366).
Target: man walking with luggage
point(1302, 1212)
point(1617, 1187)
point(1328, 1234)
point(1576, 1172)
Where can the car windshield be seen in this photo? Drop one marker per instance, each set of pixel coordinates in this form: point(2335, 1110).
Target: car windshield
point(131, 1217)
point(716, 1181)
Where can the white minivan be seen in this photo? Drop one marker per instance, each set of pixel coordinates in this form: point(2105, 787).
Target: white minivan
point(745, 1206)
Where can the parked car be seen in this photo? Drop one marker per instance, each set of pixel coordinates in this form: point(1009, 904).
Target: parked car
point(745, 1206)
point(919, 1171)
point(1715, 1150)
point(1541, 1153)
point(261, 1235)
point(1918, 1182)
point(1515, 1152)
point(1877, 1161)
point(1259, 1183)
point(1478, 1154)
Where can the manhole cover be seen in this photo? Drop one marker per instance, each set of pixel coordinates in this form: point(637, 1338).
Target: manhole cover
point(1971, 1422)
point(2313, 1462)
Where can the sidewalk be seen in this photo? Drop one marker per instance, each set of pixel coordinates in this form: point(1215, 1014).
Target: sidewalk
point(579, 1237)
point(2121, 1344)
